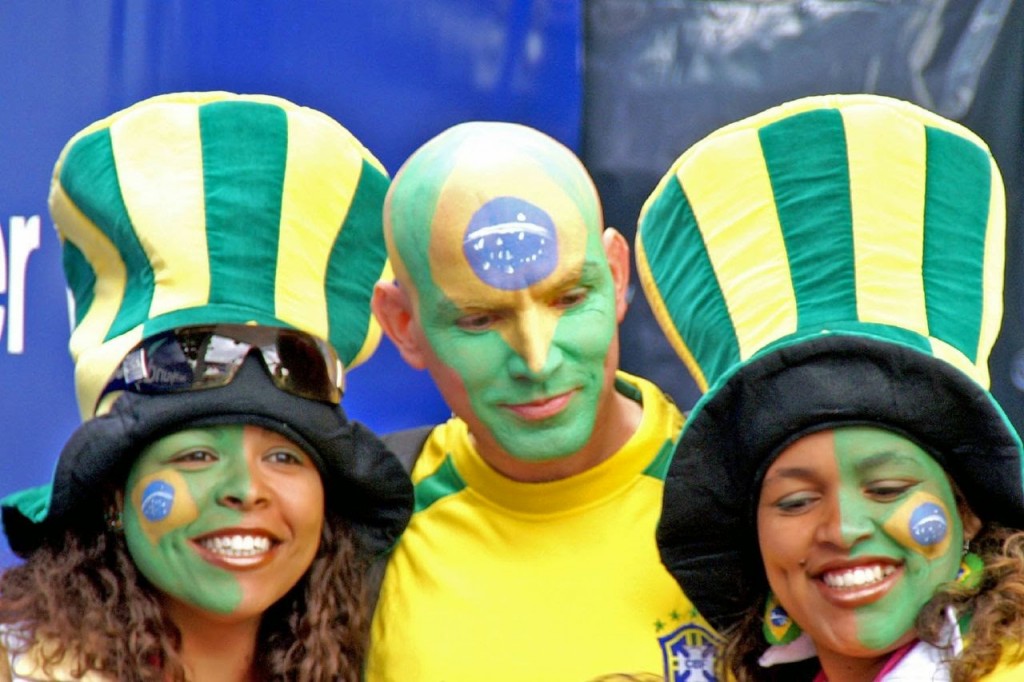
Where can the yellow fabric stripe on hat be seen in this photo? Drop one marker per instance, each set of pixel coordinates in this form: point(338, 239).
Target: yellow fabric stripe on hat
point(108, 268)
point(318, 191)
point(321, 177)
point(887, 196)
point(995, 262)
point(750, 264)
point(172, 233)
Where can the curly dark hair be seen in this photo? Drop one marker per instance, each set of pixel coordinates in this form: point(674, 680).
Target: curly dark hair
point(82, 595)
point(995, 608)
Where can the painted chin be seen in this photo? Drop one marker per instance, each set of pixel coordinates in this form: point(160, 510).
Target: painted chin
point(236, 550)
point(539, 410)
point(851, 587)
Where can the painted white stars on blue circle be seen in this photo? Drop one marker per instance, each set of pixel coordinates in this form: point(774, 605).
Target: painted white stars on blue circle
point(511, 244)
point(157, 500)
point(928, 524)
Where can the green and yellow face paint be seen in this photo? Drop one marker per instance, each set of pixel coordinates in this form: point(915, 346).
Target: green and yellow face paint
point(918, 526)
point(858, 526)
point(498, 230)
point(223, 519)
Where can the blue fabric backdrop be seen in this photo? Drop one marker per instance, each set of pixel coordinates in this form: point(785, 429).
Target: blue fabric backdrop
point(394, 73)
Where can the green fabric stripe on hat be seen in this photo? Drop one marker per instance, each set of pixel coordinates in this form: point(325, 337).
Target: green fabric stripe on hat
point(881, 332)
point(687, 272)
point(244, 177)
point(187, 318)
point(94, 188)
point(807, 162)
point(81, 279)
point(954, 276)
point(348, 299)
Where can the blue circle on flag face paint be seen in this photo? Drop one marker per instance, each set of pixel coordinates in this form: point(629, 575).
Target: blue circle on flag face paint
point(778, 617)
point(157, 500)
point(928, 524)
point(511, 244)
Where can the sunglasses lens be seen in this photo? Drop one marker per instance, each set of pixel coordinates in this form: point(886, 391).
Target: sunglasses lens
point(168, 363)
point(196, 358)
point(215, 359)
point(304, 367)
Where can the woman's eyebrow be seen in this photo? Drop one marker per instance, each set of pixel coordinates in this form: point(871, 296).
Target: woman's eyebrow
point(802, 473)
point(884, 458)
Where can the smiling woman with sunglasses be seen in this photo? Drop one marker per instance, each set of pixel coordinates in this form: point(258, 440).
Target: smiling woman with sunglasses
point(216, 514)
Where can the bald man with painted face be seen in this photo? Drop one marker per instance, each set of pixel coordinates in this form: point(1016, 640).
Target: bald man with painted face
point(531, 554)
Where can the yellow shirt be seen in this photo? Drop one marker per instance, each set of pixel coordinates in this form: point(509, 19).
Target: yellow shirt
point(561, 581)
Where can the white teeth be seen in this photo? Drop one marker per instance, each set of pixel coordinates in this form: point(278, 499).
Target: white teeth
point(858, 577)
point(237, 545)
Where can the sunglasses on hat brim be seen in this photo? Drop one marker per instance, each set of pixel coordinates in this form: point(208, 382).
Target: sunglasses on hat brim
point(204, 357)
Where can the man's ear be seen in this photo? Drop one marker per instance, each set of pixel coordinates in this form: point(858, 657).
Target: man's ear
point(394, 312)
point(616, 248)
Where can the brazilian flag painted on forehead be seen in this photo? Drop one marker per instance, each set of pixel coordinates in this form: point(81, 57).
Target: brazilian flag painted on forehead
point(251, 210)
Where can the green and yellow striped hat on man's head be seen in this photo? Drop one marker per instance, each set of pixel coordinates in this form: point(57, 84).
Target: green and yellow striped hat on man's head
point(833, 260)
point(251, 209)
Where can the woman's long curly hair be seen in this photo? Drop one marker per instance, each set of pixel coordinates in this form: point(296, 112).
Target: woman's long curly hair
point(82, 595)
point(995, 608)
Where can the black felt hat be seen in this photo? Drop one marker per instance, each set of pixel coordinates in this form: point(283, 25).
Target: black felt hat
point(363, 481)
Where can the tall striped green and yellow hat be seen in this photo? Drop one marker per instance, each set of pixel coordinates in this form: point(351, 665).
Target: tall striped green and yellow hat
point(212, 209)
point(251, 209)
point(833, 260)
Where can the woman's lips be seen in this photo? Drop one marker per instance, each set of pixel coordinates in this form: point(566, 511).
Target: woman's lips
point(544, 408)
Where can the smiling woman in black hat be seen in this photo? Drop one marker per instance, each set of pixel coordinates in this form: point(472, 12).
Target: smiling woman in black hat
point(846, 495)
point(214, 516)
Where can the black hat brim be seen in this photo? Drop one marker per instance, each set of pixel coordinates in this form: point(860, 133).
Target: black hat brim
point(363, 481)
point(707, 532)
